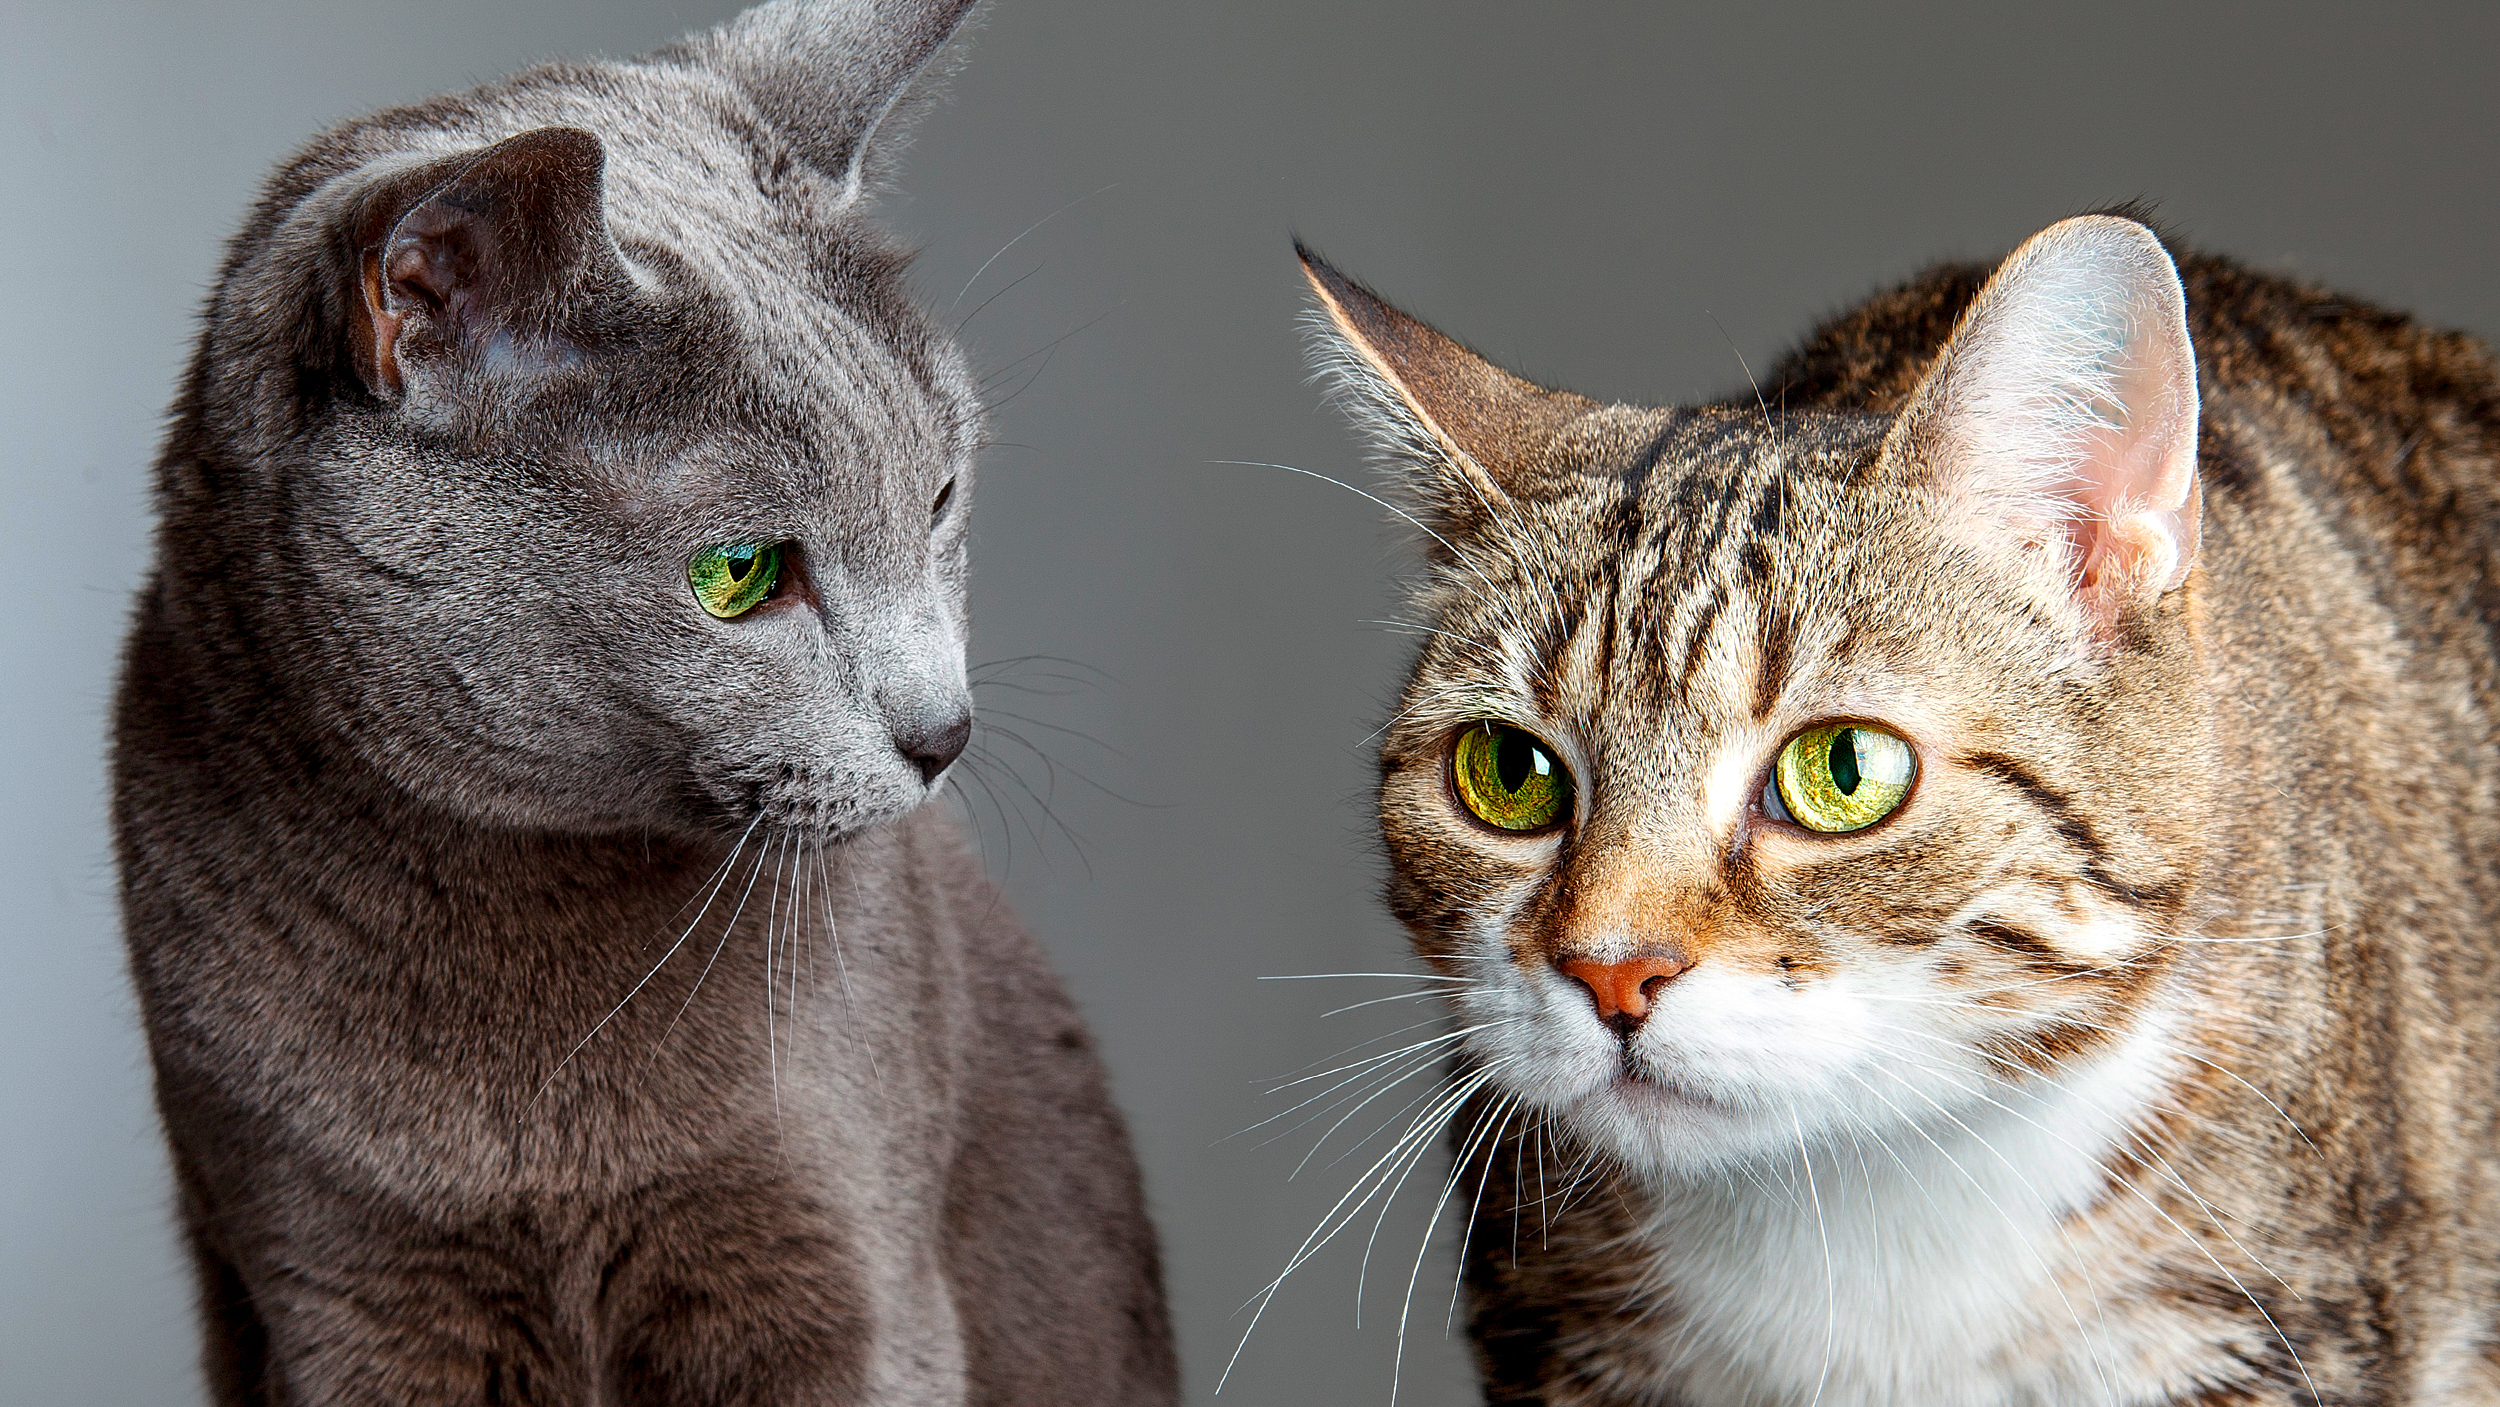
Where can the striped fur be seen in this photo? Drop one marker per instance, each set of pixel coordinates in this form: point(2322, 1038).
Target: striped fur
point(2145, 1055)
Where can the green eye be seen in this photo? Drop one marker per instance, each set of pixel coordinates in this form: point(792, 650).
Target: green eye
point(1843, 776)
point(1509, 778)
point(733, 580)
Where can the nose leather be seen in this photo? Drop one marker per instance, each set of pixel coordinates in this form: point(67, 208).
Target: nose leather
point(1624, 990)
point(931, 744)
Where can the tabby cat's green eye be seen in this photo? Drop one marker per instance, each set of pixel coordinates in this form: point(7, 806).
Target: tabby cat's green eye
point(733, 580)
point(1842, 776)
point(1509, 778)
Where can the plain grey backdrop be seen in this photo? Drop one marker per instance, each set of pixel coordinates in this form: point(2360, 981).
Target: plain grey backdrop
point(1618, 198)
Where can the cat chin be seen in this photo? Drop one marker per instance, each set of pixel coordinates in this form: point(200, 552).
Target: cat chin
point(1658, 1128)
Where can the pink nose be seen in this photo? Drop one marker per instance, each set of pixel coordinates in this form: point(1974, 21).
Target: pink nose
point(1624, 990)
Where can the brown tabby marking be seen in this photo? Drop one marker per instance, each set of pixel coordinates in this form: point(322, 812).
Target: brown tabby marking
point(2144, 1053)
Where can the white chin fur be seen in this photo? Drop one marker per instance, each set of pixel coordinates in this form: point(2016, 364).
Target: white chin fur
point(1939, 1180)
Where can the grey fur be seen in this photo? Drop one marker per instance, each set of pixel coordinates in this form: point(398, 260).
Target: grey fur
point(554, 993)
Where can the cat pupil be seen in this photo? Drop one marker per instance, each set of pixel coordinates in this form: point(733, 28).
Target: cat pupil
point(740, 566)
point(1845, 761)
point(1514, 757)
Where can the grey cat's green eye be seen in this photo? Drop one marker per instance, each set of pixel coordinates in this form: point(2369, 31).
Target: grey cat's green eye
point(1840, 777)
point(1508, 778)
point(732, 580)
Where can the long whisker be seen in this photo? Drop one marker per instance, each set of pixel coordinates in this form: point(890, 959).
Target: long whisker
point(2047, 1272)
point(1349, 1206)
point(1406, 1303)
point(842, 969)
point(2142, 1144)
point(1831, 1282)
point(719, 878)
point(1002, 249)
point(2171, 1046)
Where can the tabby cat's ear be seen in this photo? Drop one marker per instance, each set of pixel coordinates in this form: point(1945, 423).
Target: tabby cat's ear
point(494, 256)
point(2060, 419)
point(829, 75)
point(1467, 434)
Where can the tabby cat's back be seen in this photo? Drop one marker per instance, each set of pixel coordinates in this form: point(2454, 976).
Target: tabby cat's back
point(1983, 859)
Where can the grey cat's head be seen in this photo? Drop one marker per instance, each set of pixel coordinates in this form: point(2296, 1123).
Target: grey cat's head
point(483, 380)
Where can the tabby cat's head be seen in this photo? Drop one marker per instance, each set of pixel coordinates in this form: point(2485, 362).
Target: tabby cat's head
point(1745, 746)
point(569, 449)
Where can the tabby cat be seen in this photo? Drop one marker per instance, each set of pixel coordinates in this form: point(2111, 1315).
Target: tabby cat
point(558, 990)
point(1969, 877)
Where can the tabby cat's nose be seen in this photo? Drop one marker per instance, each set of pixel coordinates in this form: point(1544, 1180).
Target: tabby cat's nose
point(1624, 990)
point(931, 743)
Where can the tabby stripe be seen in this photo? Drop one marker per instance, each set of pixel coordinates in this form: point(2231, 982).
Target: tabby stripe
point(1609, 626)
point(1698, 642)
point(2021, 942)
point(1779, 636)
point(1636, 478)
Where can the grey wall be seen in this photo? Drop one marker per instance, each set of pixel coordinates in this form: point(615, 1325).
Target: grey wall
point(1592, 192)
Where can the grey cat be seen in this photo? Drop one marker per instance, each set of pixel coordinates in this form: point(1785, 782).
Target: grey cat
point(557, 990)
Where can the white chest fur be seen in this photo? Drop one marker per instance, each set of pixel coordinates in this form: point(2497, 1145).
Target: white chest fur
point(1931, 1261)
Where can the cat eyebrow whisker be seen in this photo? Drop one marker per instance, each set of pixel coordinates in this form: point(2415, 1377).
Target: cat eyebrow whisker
point(1466, 690)
point(1409, 627)
point(1002, 249)
point(1455, 554)
point(1012, 286)
point(1045, 351)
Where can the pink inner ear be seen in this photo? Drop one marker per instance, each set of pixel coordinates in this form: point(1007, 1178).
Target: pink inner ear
point(2136, 489)
point(2063, 412)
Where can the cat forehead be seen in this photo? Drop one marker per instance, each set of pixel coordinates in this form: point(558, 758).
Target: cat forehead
point(1632, 494)
point(774, 349)
point(1715, 572)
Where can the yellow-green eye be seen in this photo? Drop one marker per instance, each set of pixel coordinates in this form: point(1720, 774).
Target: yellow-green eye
point(1842, 776)
point(733, 580)
point(1509, 778)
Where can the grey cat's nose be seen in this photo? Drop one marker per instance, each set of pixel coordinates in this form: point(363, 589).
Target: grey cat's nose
point(931, 744)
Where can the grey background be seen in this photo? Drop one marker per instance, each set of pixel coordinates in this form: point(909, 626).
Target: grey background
point(1590, 192)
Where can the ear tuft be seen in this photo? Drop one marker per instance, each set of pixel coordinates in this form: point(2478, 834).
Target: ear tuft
point(829, 75)
point(2061, 416)
point(1468, 434)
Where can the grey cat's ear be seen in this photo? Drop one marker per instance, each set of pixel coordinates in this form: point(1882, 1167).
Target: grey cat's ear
point(2060, 419)
point(1468, 434)
point(496, 254)
point(830, 75)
